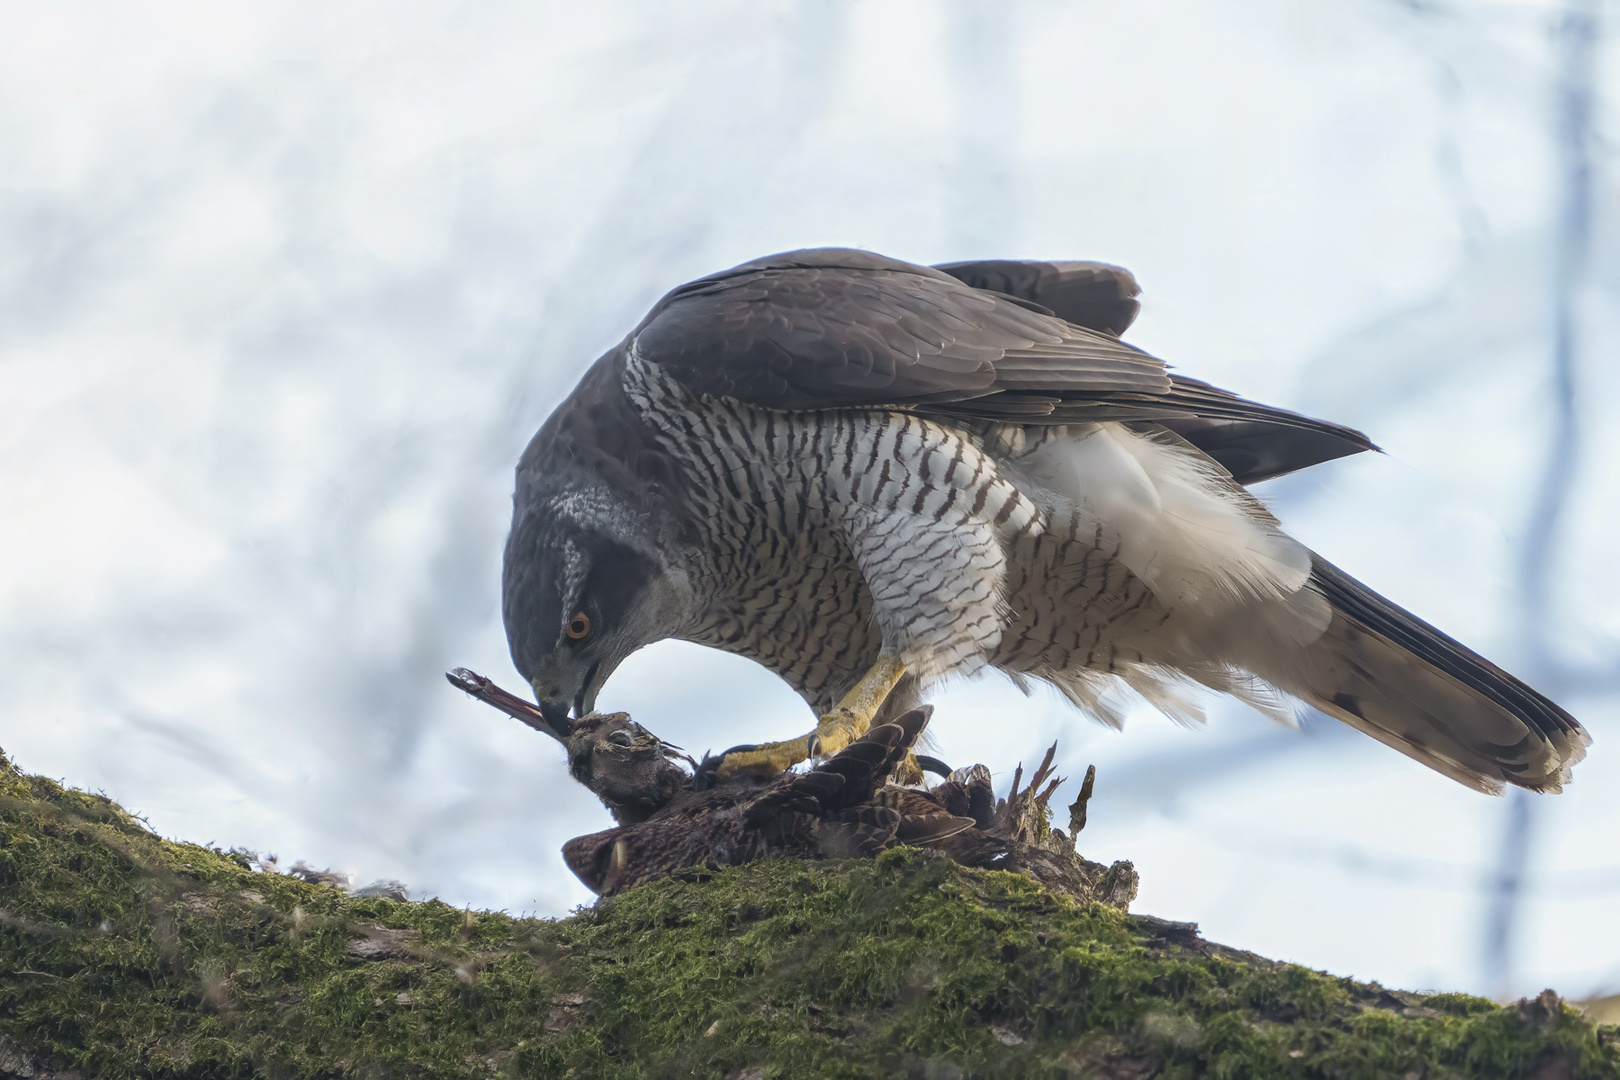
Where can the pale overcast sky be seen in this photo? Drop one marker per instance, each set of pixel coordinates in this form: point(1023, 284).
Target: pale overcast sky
point(285, 288)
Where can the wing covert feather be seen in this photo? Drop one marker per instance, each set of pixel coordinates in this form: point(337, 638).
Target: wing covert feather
point(826, 330)
point(1091, 294)
point(836, 328)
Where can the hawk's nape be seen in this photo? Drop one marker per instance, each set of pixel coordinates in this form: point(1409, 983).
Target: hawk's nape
point(868, 475)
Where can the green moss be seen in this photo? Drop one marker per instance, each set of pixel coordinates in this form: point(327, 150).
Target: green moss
point(122, 954)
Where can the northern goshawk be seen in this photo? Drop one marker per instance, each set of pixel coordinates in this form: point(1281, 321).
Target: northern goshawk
point(868, 475)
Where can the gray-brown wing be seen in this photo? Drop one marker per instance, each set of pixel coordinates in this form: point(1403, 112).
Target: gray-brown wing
point(1091, 294)
point(1252, 447)
point(841, 329)
point(1255, 450)
point(835, 328)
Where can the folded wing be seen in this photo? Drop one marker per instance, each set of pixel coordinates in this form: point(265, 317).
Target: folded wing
point(837, 329)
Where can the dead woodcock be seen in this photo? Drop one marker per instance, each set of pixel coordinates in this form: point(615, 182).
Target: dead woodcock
point(845, 807)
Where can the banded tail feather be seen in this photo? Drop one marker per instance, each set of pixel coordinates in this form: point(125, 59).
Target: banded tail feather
point(1236, 589)
point(1389, 674)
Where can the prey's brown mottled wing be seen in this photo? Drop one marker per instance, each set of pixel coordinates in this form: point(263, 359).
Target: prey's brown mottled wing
point(849, 778)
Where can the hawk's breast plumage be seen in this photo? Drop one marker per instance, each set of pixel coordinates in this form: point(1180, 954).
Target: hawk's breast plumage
point(823, 458)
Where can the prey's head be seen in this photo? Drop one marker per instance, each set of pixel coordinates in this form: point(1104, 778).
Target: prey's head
point(630, 769)
point(582, 590)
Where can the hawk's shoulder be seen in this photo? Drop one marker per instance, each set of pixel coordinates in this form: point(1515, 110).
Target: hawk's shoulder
point(838, 328)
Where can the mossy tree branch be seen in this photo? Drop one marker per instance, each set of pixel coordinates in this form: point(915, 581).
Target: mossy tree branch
point(123, 954)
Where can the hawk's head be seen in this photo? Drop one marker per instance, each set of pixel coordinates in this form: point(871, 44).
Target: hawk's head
point(588, 576)
point(583, 588)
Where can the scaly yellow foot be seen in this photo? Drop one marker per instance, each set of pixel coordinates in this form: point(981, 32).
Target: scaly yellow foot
point(842, 725)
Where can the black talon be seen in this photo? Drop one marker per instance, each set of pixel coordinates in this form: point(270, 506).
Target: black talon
point(708, 770)
point(934, 765)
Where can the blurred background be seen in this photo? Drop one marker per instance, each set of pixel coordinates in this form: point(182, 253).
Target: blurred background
point(285, 289)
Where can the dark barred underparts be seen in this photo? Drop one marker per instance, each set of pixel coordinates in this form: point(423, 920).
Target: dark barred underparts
point(846, 807)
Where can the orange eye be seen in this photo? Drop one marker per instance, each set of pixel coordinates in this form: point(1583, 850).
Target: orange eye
point(579, 626)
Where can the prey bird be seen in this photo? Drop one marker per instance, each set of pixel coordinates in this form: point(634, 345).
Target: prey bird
point(869, 475)
point(847, 806)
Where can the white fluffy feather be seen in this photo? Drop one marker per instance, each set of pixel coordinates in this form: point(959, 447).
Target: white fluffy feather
point(1194, 537)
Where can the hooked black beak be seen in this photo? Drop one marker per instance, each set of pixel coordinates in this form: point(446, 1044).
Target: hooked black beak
point(555, 710)
point(555, 707)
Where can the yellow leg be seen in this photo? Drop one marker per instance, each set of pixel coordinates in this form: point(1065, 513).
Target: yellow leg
point(843, 724)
